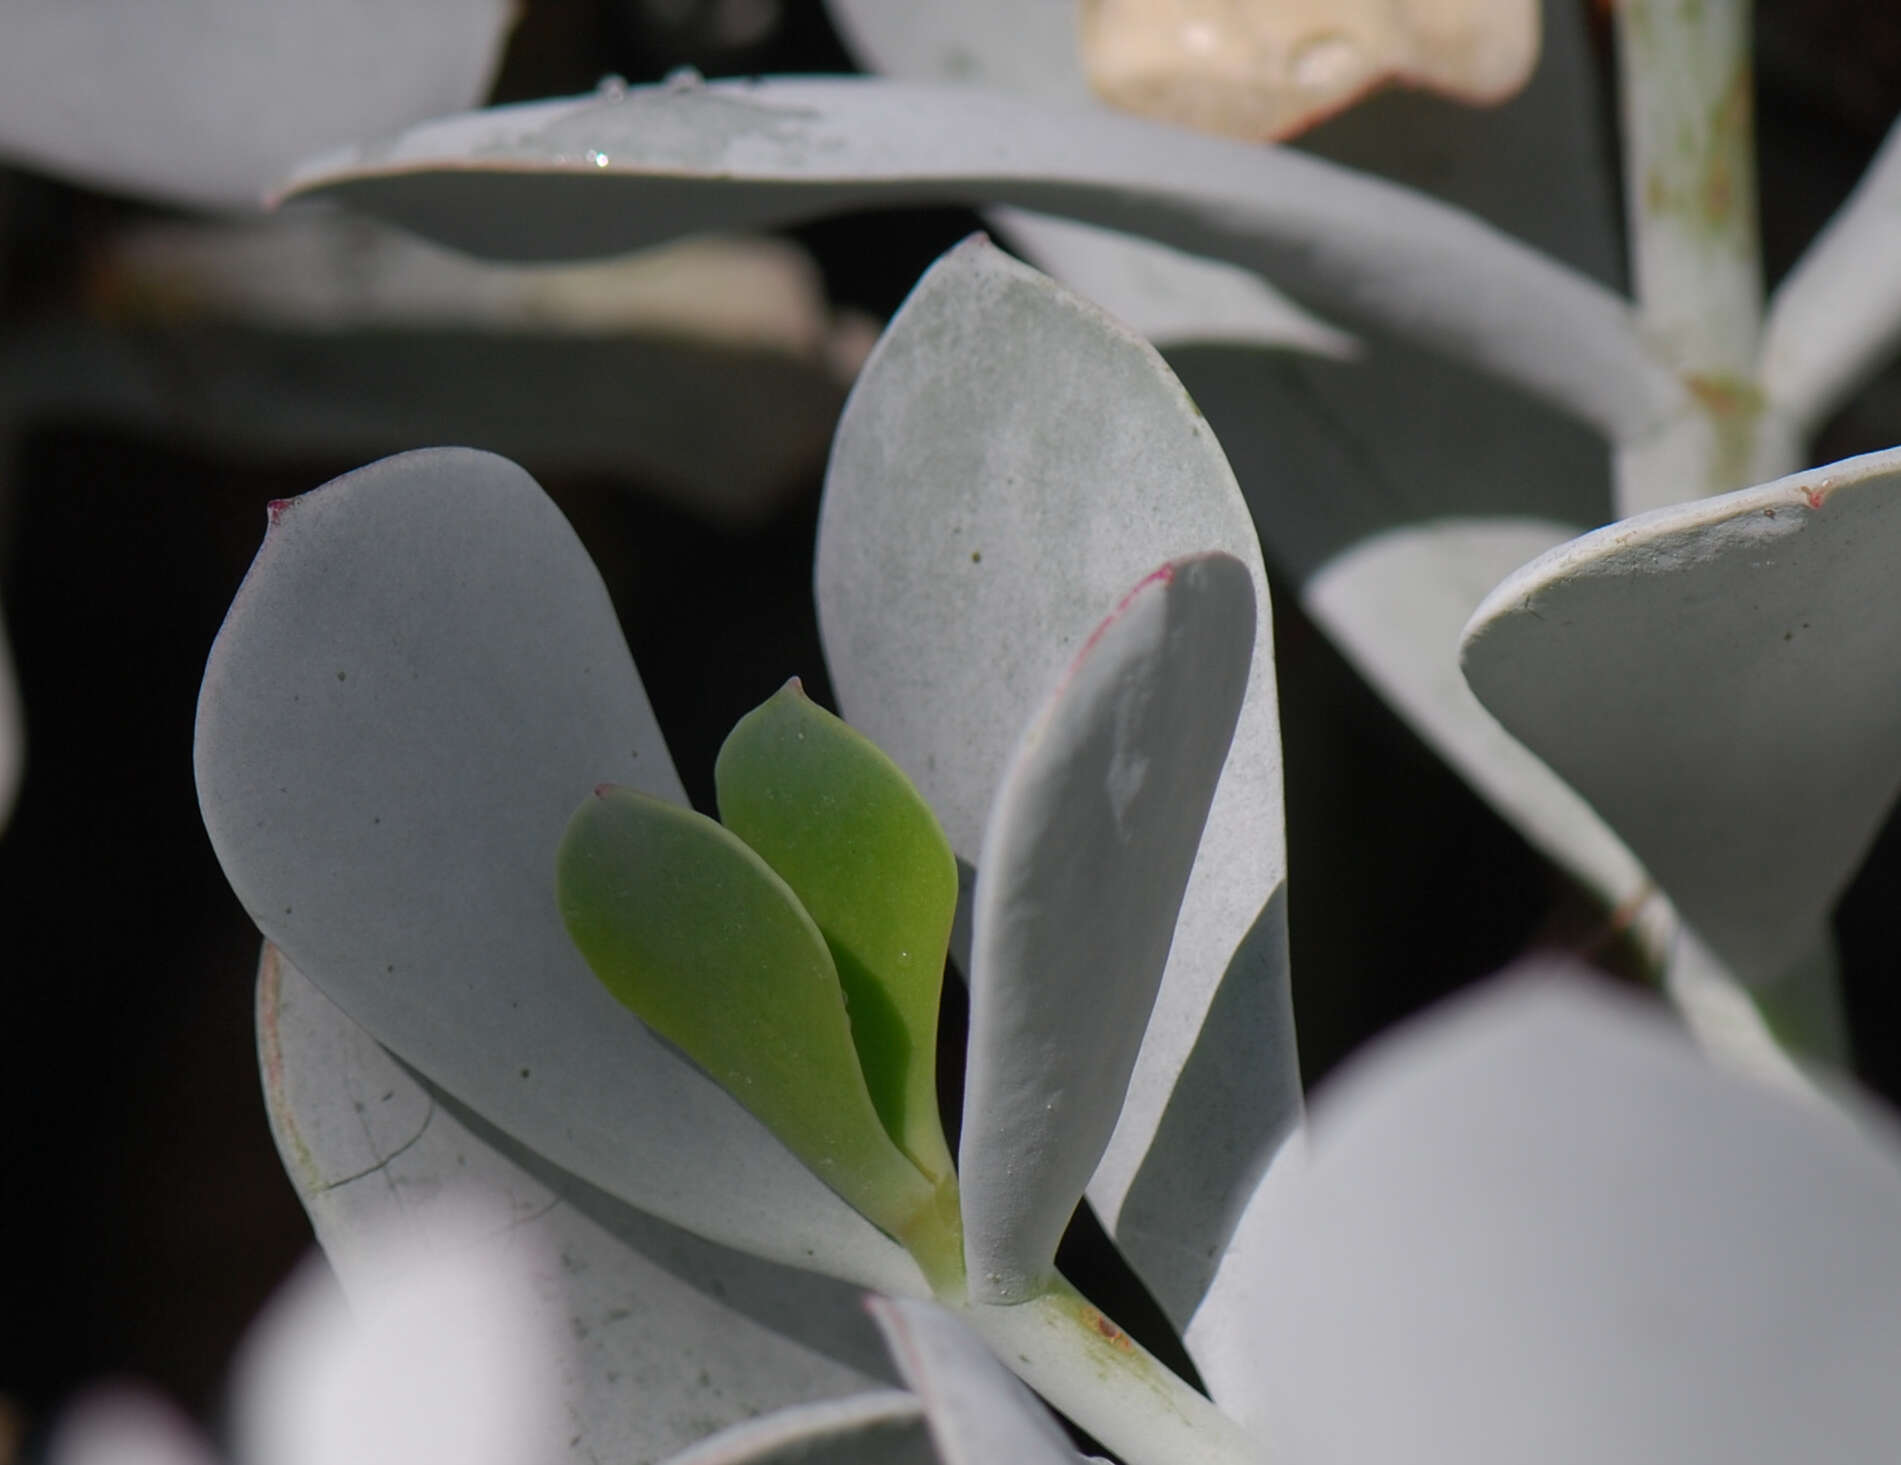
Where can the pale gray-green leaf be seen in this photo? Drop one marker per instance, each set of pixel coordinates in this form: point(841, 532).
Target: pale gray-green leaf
point(1540, 1226)
point(672, 1337)
point(601, 175)
point(419, 680)
point(1009, 464)
point(1092, 836)
point(1717, 679)
point(207, 102)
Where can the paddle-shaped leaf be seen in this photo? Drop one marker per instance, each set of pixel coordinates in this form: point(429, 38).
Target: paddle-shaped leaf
point(419, 679)
point(689, 927)
point(1010, 463)
point(1090, 844)
point(1718, 679)
point(566, 179)
point(839, 822)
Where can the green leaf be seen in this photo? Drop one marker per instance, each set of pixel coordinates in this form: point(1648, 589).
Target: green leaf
point(852, 836)
point(694, 932)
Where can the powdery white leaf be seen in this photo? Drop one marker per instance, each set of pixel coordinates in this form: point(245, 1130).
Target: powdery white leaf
point(1537, 1225)
point(1717, 680)
point(207, 102)
point(419, 680)
point(1009, 464)
point(1836, 318)
point(884, 1428)
point(601, 175)
point(454, 1355)
point(978, 1414)
point(670, 1336)
point(1262, 69)
point(1088, 850)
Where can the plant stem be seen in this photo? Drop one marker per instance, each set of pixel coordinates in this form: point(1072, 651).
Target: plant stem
point(1696, 267)
point(934, 1235)
point(1083, 1364)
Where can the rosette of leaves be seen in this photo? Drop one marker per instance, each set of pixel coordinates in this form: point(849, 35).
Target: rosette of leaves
point(422, 679)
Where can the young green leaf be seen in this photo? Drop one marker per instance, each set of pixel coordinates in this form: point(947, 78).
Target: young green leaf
point(694, 932)
point(841, 824)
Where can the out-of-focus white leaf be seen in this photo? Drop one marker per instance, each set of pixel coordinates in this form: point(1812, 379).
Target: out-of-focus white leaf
point(1718, 679)
point(1837, 316)
point(207, 102)
point(978, 1414)
point(124, 1425)
point(710, 371)
point(1009, 464)
point(883, 1428)
point(601, 175)
point(1539, 1226)
point(419, 680)
point(454, 1354)
point(317, 270)
point(1088, 850)
point(1262, 69)
point(671, 1337)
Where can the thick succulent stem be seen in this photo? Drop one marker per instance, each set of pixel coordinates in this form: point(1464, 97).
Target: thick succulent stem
point(1064, 1347)
point(1690, 192)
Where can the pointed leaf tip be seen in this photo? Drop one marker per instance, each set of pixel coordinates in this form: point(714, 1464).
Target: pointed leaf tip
point(839, 822)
